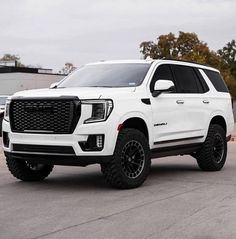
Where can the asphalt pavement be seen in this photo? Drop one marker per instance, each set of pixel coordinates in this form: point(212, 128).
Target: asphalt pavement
point(177, 201)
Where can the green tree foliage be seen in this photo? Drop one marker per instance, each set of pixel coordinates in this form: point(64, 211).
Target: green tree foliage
point(187, 46)
point(228, 56)
point(228, 60)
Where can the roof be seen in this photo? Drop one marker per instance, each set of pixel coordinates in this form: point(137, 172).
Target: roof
point(122, 61)
point(149, 61)
point(14, 69)
point(189, 63)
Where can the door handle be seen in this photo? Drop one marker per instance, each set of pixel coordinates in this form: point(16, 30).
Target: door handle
point(180, 102)
point(206, 101)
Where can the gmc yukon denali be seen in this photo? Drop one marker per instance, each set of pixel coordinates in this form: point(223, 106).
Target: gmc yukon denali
point(120, 114)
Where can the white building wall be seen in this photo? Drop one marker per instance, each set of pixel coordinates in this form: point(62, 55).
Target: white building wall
point(13, 82)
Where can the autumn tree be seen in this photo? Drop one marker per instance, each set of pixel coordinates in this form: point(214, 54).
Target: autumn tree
point(68, 68)
point(187, 46)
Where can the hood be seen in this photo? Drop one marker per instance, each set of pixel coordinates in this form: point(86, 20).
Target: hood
point(80, 92)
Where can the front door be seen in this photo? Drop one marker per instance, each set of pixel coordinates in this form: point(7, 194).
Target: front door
point(178, 117)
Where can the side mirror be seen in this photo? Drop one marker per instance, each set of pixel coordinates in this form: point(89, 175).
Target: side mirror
point(53, 85)
point(163, 86)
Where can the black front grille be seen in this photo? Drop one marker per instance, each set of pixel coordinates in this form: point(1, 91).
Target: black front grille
point(50, 116)
point(51, 149)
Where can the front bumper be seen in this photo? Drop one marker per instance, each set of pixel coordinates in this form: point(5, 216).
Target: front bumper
point(80, 156)
point(60, 159)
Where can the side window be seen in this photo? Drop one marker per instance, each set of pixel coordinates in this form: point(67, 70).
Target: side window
point(163, 72)
point(216, 80)
point(204, 87)
point(186, 79)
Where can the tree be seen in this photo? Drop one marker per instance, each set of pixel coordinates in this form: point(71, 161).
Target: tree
point(68, 68)
point(10, 58)
point(187, 46)
point(228, 56)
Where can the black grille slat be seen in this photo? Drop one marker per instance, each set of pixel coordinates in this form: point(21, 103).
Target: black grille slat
point(57, 116)
point(43, 149)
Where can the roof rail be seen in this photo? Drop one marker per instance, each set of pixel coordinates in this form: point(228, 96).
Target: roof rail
point(185, 61)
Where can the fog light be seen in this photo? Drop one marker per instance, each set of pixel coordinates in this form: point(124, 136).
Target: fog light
point(93, 143)
point(99, 141)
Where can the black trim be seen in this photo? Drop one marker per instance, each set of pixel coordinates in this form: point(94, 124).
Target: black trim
point(146, 101)
point(53, 149)
point(91, 144)
point(1, 120)
point(175, 150)
point(201, 80)
point(59, 159)
point(177, 140)
point(6, 139)
point(63, 97)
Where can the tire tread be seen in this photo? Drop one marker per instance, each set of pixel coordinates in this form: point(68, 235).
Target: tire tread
point(204, 155)
point(111, 171)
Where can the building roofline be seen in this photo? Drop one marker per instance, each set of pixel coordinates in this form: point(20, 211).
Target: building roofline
point(14, 69)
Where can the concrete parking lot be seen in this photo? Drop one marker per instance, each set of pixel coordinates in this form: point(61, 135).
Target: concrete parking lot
point(177, 201)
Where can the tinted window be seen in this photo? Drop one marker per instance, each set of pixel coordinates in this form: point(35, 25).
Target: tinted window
point(186, 79)
point(163, 72)
point(204, 87)
point(216, 80)
point(107, 75)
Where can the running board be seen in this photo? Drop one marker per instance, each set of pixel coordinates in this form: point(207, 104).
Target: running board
point(175, 150)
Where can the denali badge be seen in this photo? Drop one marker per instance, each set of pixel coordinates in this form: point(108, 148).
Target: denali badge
point(160, 124)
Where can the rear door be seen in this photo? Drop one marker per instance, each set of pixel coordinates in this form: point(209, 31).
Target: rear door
point(195, 98)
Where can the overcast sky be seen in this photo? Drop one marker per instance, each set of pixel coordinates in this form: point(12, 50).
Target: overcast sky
point(51, 32)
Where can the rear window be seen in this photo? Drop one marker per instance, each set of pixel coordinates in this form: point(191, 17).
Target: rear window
point(216, 80)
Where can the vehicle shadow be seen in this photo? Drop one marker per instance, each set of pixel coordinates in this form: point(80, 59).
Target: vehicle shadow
point(71, 181)
point(93, 180)
point(163, 169)
point(173, 171)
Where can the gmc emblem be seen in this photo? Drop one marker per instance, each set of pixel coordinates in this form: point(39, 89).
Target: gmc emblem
point(39, 108)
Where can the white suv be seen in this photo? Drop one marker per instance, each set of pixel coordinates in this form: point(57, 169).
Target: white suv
point(120, 114)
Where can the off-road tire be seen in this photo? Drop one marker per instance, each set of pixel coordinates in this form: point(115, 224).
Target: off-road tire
point(20, 169)
point(114, 172)
point(206, 156)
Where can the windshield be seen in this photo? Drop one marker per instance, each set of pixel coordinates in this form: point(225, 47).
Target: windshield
point(107, 75)
point(3, 100)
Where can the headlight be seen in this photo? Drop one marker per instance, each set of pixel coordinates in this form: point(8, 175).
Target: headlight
point(101, 109)
point(7, 107)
